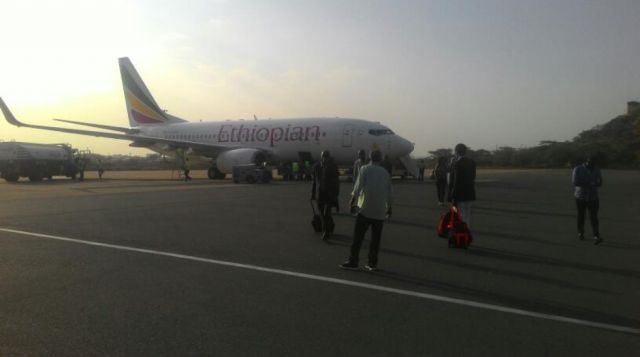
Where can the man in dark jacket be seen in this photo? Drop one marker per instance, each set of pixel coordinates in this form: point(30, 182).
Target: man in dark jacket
point(439, 174)
point(586, 179)
point(386, 163)
point(462, 183)
point(326, 188)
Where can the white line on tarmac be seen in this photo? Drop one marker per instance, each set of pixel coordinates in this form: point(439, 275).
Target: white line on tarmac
point(327, 279)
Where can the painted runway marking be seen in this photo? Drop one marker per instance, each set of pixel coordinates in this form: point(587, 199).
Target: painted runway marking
point(327, 279)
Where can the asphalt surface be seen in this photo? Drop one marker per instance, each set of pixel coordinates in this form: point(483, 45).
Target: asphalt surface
point(164, 281)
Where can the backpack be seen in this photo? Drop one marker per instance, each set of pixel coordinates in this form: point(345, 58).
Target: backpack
point(451, 226)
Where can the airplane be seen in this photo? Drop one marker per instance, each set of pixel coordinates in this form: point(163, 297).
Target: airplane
point(237, 142)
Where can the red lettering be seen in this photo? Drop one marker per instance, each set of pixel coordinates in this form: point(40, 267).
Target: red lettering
point(262, 134)
point(223, 135)
point(311, 129)
point(276, 135)
point(296, 133)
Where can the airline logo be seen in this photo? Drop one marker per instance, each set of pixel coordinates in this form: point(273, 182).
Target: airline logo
point(143, 109)
point(229, 133)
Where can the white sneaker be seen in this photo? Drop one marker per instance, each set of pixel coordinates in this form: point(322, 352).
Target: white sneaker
point(370, 267)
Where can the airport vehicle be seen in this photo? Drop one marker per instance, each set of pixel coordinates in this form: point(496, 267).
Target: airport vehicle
point(237, 142)
point(251, 174)
point(36, 161)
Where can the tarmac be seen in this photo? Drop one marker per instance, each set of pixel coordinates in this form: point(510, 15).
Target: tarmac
point(142, 264)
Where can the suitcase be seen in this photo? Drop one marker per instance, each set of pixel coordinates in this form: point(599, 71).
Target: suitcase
point(316, 221)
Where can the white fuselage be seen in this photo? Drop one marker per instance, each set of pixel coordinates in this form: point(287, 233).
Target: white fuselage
point(287, 139)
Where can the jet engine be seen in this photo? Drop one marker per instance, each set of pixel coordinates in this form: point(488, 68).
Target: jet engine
point(245, 156)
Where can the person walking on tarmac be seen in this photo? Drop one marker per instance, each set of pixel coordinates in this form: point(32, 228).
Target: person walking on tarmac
point(326, 189)
point(586, 179)
point(100, 169)
point(421, 169)
point(186, 168)
point(81, 164)
point(462, 182)
point(440, 176)
point(360, 161)
point(372, 192)
point(295, 167)
point(386, 164)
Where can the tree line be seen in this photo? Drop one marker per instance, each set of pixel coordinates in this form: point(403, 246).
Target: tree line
point(615, 144)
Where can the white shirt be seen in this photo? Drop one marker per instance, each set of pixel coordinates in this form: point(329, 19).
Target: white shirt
point(373, 189)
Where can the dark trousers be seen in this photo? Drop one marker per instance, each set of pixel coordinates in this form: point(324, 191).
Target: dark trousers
point(325, 214)
point(592, 207)
point(362, 224)
point(441, 185)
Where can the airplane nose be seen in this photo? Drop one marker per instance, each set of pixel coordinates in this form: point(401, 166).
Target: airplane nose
point(406, 147)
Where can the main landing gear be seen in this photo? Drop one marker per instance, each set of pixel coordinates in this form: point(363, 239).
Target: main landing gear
point(215, 174)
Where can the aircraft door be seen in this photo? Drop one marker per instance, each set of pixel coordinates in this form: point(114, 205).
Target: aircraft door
point(347, 135)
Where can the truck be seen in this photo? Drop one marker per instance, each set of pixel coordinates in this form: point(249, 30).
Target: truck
point(36, 161)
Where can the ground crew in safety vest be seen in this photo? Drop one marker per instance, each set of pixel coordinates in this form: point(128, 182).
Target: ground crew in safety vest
point(186, 167)
point(295, 167)
point(81, 164)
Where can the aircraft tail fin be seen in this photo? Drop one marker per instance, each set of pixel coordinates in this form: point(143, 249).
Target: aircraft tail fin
point(142, 109)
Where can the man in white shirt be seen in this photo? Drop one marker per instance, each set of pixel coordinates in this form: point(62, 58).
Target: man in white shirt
point(372, 192)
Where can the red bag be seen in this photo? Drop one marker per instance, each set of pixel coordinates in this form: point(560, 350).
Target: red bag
point(452, 227)
point(459, 235)
point(444, 223)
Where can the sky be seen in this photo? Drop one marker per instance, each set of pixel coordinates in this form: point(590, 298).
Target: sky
point(486, 73)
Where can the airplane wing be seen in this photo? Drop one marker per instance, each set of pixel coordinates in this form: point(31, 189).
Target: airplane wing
point(204, 149)
point(100, 126)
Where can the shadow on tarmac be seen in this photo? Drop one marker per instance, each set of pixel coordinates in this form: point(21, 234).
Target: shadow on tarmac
point(346, 241)
point(524, 212)
point(534, 259)
point(616, 245)
point(548, 307)
point(502, 235)
point(543, 306)
point(513, 256)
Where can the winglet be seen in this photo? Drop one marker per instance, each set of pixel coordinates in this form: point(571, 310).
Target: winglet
point(8, 115)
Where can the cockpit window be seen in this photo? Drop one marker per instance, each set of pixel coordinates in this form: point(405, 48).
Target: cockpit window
point(378, 132)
